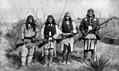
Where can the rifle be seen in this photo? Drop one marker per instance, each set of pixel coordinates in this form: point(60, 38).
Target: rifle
point(83, 36)
point(35, 42)
point(41, 42)
point(58, 40)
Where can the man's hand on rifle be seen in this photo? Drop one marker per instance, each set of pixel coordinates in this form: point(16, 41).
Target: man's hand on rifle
point(22, 40)
point(50, 38)
point(55, 36)
point(98, 27)
point(34, 40)
point(26, 41)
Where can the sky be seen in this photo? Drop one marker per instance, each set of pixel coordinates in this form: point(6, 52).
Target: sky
point(14, 10)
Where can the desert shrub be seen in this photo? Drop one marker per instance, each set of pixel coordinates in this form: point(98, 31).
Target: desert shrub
point(14, 35)
point(97, 64)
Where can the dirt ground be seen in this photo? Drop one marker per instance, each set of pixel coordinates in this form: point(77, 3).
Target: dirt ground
point(107, 50)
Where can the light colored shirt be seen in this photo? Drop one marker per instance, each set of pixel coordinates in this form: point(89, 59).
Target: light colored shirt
point(28, 33)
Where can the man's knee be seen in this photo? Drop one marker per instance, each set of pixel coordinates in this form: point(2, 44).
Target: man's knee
point(31, 52)
point(69, 49)
point(51, 51)
point(46, 51)
point(24, 53)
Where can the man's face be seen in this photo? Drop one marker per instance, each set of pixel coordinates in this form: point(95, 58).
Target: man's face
point(50, 20)
point(90, 13)
point(30, 20)
point(67, 17)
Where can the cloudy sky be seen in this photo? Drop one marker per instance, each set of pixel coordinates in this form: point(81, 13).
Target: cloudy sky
point(12, 10)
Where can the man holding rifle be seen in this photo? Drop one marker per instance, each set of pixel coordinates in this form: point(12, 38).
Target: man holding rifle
point(49, 32)
point(29, 33)
point(89, 28)
point(68, 27)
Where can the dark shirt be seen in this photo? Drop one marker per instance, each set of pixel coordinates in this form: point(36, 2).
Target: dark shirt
point(93, 22)
point(67, 28)
point(49, 28)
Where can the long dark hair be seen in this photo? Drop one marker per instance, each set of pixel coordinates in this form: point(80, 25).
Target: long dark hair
point(53, 20)
point(32, 24)
point(89, 11)
point(64, 19)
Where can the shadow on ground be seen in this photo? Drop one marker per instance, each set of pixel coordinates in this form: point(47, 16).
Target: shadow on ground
point(109, 40)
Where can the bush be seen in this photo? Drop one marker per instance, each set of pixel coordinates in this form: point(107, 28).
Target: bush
point(97, 64)
point(14, 35)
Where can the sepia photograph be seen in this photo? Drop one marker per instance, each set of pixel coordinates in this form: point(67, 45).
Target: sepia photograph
point(59, 35)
